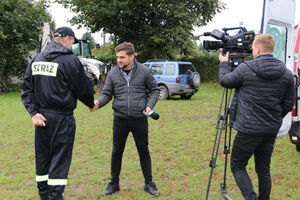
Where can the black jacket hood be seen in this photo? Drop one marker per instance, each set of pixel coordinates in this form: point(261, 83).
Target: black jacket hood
point(54, 49)
point(267, 67)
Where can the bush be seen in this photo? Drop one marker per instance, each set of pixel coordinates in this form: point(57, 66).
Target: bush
point(19, 32)
point(107, 58)
point(206, 63)
point(8, 86)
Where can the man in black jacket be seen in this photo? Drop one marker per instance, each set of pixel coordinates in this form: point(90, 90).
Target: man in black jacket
point(53, 82)
point(264, 95)
point(130, 83)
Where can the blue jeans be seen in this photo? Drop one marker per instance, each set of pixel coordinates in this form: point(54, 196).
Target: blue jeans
point(244, 146)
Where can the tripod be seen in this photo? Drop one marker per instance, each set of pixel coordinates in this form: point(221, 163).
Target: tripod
point(223, 125)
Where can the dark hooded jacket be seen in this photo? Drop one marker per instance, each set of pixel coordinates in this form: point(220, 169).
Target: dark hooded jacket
point(54, 80)
point(264, 94)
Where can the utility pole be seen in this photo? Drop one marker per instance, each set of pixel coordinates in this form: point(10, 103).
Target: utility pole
point(104, 45)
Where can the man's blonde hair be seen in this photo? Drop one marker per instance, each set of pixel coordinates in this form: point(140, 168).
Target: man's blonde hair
point(265, 41)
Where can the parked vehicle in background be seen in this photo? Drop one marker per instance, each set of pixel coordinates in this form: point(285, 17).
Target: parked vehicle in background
point(294, 132)
point(95, 69)
point(174, 78)
point(279, 20)
point(91, 66)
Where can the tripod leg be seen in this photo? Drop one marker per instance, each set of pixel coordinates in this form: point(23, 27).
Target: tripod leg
point(226, 152)
point(222, 121)
point(227, 143)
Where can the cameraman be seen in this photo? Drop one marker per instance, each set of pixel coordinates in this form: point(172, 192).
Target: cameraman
point(264, 95)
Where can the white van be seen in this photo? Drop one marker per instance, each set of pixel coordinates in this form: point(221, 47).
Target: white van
point(279, 20)
point(294, 131)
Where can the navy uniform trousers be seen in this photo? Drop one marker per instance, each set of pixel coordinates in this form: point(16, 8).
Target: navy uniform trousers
point(53, 152)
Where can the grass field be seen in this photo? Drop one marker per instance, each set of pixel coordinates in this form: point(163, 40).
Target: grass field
point(181, 143)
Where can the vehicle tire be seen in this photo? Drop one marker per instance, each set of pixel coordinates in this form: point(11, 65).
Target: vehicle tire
point(194, 79)
point(298, 147)
point(163, 92)
point(186, 96)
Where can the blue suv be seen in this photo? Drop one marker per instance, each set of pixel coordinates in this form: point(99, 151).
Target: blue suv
point(174, 78)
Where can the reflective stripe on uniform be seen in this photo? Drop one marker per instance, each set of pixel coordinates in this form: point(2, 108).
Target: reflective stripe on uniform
point(41, 178)
point(57, 181)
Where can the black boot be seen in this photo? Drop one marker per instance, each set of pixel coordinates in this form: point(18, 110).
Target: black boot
point(44, 195)
point(111, 188)
point(150, 187)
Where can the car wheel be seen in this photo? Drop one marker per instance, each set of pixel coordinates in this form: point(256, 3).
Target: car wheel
point(194, 79)
point(163, 94)
point(186, 96)
point(298, 147)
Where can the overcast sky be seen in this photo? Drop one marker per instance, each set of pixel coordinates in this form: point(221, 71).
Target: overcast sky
point(247, 12)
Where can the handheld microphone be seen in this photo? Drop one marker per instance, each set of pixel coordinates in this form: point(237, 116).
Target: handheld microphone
point(153, 115)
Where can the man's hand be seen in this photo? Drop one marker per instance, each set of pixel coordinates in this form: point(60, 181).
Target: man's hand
point(223, 58)
point(147, 109)
point(39, 120)
point(96, 106)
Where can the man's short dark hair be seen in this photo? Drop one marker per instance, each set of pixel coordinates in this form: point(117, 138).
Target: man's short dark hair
point(125, 46)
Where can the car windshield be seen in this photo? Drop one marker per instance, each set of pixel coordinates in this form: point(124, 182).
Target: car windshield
point(186, 68)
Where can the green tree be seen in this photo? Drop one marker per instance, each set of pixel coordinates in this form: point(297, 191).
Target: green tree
point(20, 25)
point(88, 36)
point(157, 28)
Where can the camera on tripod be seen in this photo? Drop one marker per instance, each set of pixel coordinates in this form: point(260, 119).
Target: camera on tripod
point(239, 45)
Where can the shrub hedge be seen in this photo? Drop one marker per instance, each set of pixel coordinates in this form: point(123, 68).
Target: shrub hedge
point(107, 58)
point(206, 63)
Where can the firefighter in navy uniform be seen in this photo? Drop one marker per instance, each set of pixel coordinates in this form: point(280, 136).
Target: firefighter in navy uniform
point(53, 82)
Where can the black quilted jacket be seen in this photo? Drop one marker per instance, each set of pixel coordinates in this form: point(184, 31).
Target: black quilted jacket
point(264, 94)
point(130, 99)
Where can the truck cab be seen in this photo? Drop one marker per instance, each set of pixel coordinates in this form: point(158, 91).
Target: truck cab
point(91, 66)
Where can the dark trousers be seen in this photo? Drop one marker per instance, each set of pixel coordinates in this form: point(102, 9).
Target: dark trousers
point(139, 129)
point(244, 147)
point(53, 152)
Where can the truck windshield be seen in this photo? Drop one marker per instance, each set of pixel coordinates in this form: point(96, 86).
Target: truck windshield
point(76, 48)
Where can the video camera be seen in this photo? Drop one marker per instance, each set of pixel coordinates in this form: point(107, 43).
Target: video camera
point(239, 43)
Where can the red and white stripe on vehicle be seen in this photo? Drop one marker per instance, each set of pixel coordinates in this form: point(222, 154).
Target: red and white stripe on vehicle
point(295, 110)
